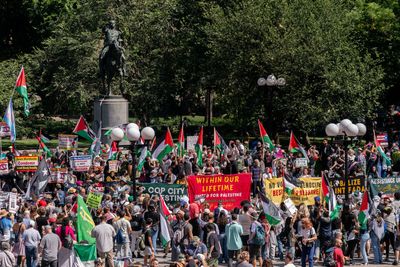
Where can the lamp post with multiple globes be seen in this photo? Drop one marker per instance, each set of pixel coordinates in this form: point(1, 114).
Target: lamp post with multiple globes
point(349, 132)
point(133, 134)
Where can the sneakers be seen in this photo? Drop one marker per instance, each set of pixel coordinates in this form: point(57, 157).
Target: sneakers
point(395, 263)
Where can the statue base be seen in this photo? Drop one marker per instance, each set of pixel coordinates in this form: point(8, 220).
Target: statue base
point(111, 111)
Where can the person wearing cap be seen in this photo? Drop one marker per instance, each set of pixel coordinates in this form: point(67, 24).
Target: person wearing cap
point(137, 223)
point(49, 248)
point(7, 258)
point(31, 239)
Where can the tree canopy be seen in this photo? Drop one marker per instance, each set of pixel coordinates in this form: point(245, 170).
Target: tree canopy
point(338, 57)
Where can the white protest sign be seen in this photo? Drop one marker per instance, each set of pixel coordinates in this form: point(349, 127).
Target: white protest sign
point(290, 206)
point(81, 163)
point(300, 162)
point(191, 142)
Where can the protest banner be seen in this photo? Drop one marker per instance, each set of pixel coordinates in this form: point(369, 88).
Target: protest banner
point(80, 163)
point(191, 142)
point(307, 188)
point(12, 203)
point(4, 166)
point(58, 175)
point(94, 199)
point(388, 185)
point(354, 184)
point(67, 141)
point(230, 189)
point(113, 165)
point(26, 163)
point(170, 192)
point(274, 189)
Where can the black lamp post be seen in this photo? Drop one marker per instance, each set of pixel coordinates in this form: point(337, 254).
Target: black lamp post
point(133, 134)
point(270, 81)
point(349, 131)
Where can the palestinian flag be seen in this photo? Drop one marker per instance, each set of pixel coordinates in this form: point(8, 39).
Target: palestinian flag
point(164, 147)
point(144, 153)
point(83, 129)
point(381, 151)
point(295, 147)
point(43, 146)
point(164, 212)
point(219, 142)
point(180, 151)
point(271, 211)
point(264, 136)
point(44, 138)
point(330, 198)
point(20, 86)
point(363, 214)
point(199, 148)
point(288, 186)
point(112, 153)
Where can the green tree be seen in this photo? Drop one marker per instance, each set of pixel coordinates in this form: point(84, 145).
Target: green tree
point(307, 42)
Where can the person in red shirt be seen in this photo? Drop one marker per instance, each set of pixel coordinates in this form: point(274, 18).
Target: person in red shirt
point(338, 255)
point(194, 212)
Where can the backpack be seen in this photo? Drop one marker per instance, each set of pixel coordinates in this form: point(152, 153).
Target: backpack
point(259, 237)
point(329, 261)
point(119, 238)
point(179, 235)
point(140, 242)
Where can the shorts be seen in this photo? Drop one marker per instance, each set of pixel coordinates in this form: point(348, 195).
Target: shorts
point(255, 252)
point(147, 251)
point(397, 243)
point(244, 238)
point(233, 254)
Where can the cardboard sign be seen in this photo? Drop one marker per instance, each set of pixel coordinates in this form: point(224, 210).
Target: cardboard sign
point(300, 162)
point(26, 163)
point(113, 165)
point(58, 175)
point(81, 163)
point(290, 206)
point(383, 139)
point(230, 189)
point(4, 166)
point(191, 142)
point(94, 199)
point(67, 141)
point(12, 203)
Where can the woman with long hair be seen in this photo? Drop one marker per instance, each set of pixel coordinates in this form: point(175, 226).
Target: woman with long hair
point(19, 248)
point(67, 236)
point(308, 236)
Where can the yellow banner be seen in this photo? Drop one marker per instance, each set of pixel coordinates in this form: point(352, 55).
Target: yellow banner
point(307, 189)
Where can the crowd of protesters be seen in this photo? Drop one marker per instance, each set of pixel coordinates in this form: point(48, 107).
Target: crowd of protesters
point(42, 230)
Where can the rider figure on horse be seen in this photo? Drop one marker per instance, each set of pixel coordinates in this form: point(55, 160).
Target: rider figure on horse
point(112, 50)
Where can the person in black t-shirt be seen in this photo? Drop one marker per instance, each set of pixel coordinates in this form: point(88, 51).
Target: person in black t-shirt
point(137, 225)
point(149, 250)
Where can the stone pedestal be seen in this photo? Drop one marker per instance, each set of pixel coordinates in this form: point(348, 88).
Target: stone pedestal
point(111, 111)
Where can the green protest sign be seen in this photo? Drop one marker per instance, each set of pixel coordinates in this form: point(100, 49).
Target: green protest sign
point(170, 192)
point(94, 199)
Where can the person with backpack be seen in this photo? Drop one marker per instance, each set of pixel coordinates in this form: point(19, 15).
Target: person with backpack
point(338, 255)
point(123, 229)
point(67, 235)
point(256, 239)
point(213, 245)
point(149, 250)
point(308, 237)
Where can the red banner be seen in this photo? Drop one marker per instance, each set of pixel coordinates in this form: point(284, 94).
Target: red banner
point(231, 189)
